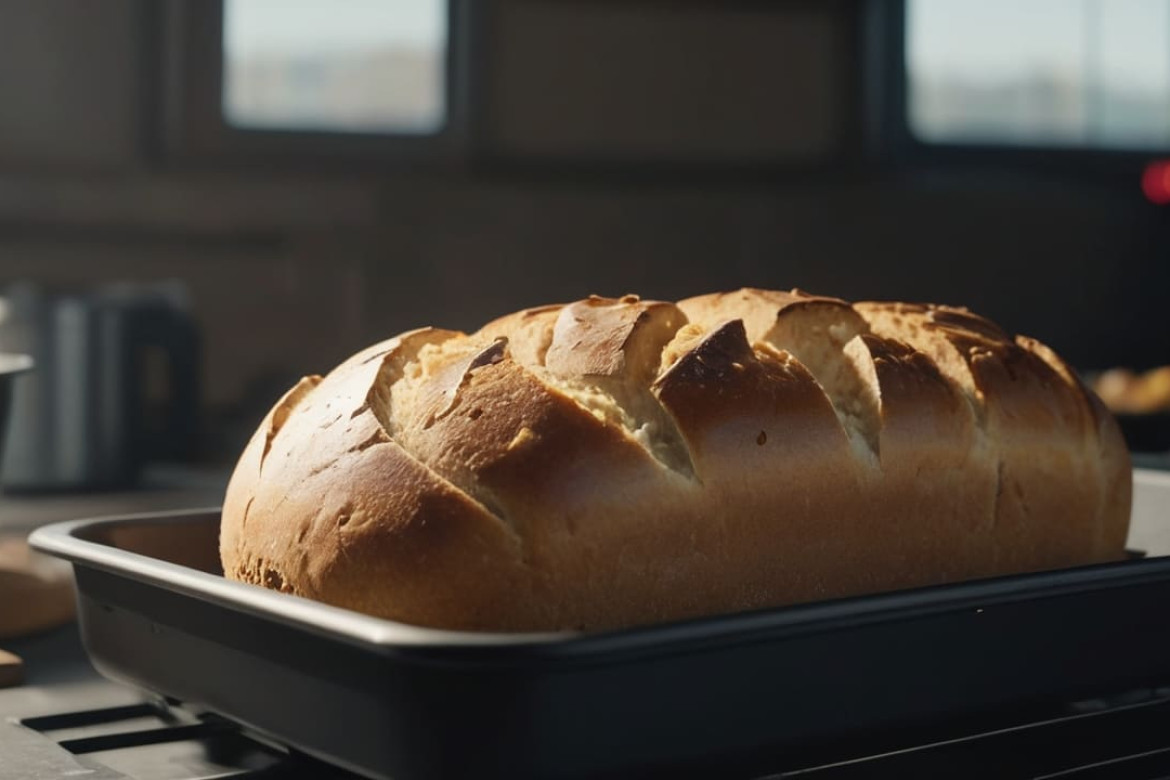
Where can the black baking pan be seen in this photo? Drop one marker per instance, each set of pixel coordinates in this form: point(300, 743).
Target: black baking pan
point(739, 695)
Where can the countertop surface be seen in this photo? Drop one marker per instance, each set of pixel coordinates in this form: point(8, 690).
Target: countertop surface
point(160, 489)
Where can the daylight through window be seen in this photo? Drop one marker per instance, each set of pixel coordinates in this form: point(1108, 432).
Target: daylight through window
point(1058, 73)
point(373, 66)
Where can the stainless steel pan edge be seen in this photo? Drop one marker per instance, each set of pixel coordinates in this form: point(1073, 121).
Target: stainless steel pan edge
point(72, 541)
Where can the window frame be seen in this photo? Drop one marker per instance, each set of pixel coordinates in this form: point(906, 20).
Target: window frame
point(184, 126)
point(891, 130)
point(195, 129)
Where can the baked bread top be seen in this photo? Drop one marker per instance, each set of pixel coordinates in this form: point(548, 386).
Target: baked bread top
point(616, 462)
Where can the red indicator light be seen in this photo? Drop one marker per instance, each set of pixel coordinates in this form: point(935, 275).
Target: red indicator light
point(1156, 182)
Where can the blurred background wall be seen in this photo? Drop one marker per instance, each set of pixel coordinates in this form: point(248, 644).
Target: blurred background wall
point(662, 148)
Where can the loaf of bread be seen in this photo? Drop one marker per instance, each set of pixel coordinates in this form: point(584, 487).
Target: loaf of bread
point(618, 462)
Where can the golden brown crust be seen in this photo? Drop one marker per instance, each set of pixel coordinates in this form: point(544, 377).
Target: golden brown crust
point(933, 466)
point(1038, 425)
point(529, 333)
point(301, 527)
point(613, 462)
point(760, 430)
point(1112, 467)
point(759, 309)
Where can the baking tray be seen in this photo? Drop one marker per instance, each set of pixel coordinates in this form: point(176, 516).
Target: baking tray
point(730, 696)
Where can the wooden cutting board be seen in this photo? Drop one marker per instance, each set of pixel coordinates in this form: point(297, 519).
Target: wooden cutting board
point(11, 669)
point(36, 591)
point(36, 594)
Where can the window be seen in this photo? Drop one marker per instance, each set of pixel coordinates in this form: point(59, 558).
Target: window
point(356, 66)
point(1051, 73)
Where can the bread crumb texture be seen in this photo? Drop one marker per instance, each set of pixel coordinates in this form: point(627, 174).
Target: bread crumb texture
point(613, 462)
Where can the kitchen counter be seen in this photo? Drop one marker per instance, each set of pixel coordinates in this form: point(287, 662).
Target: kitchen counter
point(161, 488)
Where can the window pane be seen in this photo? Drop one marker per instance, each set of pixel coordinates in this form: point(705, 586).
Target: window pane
point(342, 65)
point(1134, 74)
point(1087, 73)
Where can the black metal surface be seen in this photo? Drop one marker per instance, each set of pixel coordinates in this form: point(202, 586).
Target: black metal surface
point(1125, 738)
point(148, 741)
point(1136, 734)
point(736, 696)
